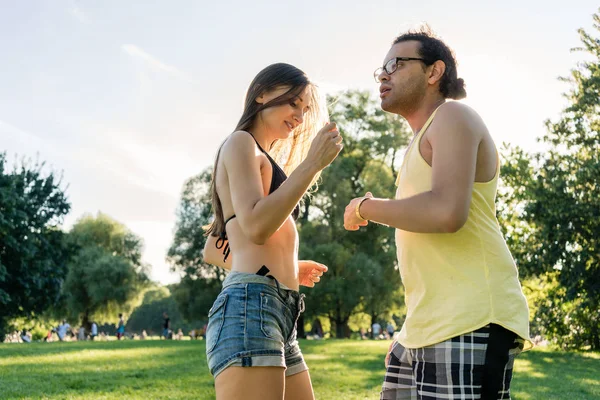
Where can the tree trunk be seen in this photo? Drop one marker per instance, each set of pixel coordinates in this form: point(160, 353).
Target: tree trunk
point(342, 330)
point(85, 321)
point(339, 329)
point(2, 329)
point(304, 217)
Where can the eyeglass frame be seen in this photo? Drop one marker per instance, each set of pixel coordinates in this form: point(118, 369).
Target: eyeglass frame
point(395, 60)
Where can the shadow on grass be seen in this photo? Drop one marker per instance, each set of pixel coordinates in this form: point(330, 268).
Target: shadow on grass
point(547, 374)
point(349, 365)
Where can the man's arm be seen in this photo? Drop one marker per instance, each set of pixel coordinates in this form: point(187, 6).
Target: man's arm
point(454, 136)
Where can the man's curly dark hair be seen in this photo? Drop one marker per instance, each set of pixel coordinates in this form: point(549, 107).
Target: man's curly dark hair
point(432, 49)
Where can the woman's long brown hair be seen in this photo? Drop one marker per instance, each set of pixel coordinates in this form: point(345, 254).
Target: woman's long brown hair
point(288, 153)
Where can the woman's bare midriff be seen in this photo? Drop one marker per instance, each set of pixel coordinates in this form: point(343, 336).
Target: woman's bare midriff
point(279, 254)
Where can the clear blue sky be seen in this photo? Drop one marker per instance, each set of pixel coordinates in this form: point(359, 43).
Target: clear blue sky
point(130, 98)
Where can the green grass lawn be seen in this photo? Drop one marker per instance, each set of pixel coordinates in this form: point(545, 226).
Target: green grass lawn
point(340, 369)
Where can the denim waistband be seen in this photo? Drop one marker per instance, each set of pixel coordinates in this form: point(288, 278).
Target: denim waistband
point(292, 297)
point(236, 277)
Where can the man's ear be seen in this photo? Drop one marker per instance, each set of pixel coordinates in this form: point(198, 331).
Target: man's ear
point(437, 72)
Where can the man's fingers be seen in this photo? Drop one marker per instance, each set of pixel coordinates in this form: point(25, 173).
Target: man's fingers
point(320, 268)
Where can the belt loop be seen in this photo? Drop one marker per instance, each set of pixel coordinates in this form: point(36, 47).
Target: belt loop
point(277, 283)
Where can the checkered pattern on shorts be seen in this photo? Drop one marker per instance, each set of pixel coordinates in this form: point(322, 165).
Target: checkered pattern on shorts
point(476, 365)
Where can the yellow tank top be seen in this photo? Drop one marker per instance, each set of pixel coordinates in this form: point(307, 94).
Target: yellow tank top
point(456, 282)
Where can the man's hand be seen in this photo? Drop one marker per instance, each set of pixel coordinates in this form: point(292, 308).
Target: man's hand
point(310, 272)
point(351, 221)
point(389, 354)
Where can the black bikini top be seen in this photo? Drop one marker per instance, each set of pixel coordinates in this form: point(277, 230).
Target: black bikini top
point(277, 179)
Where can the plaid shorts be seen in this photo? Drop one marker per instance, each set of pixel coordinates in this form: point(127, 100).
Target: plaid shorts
point(476, 365)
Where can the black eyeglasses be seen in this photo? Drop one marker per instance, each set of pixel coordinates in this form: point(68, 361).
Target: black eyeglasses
point(392, 65)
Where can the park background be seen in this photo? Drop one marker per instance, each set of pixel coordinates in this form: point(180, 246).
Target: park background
point(110, 116)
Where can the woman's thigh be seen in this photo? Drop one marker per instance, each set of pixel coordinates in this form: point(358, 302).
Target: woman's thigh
point(257, 383)
point(299, 387)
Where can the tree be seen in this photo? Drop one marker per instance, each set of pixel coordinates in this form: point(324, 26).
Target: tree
point(149, 315)
point(33, 254)
point(201, 282)
point(106, 275)
point(362, 272)
point(556, 197)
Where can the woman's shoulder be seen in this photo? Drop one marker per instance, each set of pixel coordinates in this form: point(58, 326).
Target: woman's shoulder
point(239, 144)
point(238, 141)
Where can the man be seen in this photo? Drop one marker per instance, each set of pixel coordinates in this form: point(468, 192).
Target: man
point(376, 329)
point(166, 325)
point(120, 327)
point(62, 329)
point(467, 316)
point(81, 333)
point(94, 331)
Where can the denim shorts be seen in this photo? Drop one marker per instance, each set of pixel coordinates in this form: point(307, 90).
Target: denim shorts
point(252, 323)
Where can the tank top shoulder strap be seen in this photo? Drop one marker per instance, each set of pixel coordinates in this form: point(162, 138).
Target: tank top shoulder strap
point(417, 139)
point(427, 123)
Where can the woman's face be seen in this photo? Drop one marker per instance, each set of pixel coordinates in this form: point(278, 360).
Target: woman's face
point(280, 121)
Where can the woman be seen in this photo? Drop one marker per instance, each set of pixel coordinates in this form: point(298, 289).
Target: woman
point(251, 343)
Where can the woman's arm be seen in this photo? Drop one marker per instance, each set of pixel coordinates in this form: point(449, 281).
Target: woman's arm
point(213, 255)
point(260, 216)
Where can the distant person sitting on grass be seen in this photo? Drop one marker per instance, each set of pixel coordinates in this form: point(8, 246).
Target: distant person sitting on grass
point(25, 336)
point(179, 334)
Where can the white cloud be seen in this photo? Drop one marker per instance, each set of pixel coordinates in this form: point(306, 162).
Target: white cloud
point(154, 62)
